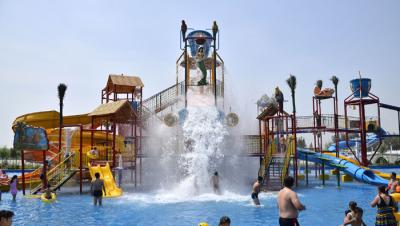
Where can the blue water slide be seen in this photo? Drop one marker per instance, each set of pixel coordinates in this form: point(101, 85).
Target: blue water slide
point(358, 173)
point(371, 140)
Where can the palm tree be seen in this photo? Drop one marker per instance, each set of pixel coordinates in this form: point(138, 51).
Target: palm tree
point(335, 81)
point(319, 84)
point(291, 81)
point(61, 94)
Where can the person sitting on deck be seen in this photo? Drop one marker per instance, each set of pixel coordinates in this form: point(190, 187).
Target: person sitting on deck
point(319, 92)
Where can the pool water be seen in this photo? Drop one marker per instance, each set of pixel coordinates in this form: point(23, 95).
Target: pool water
point(325, 206)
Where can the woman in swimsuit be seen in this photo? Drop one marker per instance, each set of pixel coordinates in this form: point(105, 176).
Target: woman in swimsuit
point(385, 204)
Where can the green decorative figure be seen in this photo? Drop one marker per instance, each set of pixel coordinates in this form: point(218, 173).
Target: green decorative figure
point(200, 65)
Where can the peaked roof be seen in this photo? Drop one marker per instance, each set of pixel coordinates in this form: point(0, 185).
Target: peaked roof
point(269, 111)
point(123, 83)
point(109, 108)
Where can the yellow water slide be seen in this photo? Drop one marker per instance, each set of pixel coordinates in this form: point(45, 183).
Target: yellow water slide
point(50, 120)
point(112, 190)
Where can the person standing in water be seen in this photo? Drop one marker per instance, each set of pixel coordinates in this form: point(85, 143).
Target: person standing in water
point(256, 191)
point(13, 187)
point(289, 204)
point(385, 204)
point(215, 183)
point(354, 216)
point(97, 189)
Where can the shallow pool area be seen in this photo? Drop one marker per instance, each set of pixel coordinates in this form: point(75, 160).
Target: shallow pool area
point(325, 206)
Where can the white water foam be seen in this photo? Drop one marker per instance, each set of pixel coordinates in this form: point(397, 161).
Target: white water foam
point(166, 197)
point(203, 134)
point(190, 154)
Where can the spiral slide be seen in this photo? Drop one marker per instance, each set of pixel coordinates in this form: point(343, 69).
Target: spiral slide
point(112, 190)
point(357, 172)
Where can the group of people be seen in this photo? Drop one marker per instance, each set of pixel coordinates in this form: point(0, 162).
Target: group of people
point(289, 204)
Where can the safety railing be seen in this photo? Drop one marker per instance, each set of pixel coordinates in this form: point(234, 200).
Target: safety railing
point(34, 179)
point(288, 156)
point(265, 164)
point(251, 144)
point(163, 99)
point(54, 173)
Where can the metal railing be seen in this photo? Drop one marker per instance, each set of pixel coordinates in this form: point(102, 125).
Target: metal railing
point(265, 164)
point(288, 156)
point(252, 144)
point(52, 173)
point(163, 99)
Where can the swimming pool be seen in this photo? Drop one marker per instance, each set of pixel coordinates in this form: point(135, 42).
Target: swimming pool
point(325, 206)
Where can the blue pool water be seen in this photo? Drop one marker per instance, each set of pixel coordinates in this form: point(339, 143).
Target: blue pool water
point(325, 206)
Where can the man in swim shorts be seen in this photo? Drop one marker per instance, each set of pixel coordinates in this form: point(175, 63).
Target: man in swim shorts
point(256, 191)
point(289, 204)
point(97, 189)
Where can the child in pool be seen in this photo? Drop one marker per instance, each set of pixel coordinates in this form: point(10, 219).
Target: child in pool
point(13, 186)
point(48, 192)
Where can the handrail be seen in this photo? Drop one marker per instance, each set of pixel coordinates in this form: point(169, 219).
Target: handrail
point(267, 160)
point(285, 167)
point(58, 172)
point(39, 169)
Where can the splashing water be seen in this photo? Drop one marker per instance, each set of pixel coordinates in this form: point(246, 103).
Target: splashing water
point(203, 134)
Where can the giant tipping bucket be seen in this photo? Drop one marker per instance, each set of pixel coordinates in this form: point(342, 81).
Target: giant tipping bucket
point(364, 83)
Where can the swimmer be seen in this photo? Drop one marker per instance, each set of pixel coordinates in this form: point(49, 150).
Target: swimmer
point(256, 191)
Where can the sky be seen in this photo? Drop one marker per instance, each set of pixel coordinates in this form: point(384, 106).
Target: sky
point(44, 43)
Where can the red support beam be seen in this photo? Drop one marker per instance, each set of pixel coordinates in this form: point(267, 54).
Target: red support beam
point(23, 171)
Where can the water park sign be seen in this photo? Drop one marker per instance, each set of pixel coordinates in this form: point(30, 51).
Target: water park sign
point(30, 138)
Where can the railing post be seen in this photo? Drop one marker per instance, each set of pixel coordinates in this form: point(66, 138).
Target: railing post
point(23, 171)
point(80, 160)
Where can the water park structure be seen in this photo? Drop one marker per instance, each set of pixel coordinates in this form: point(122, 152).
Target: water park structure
point(276, 126)
point(118, 127)
point(185, 132)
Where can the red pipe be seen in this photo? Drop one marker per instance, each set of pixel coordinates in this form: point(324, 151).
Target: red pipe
point(23, 171)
